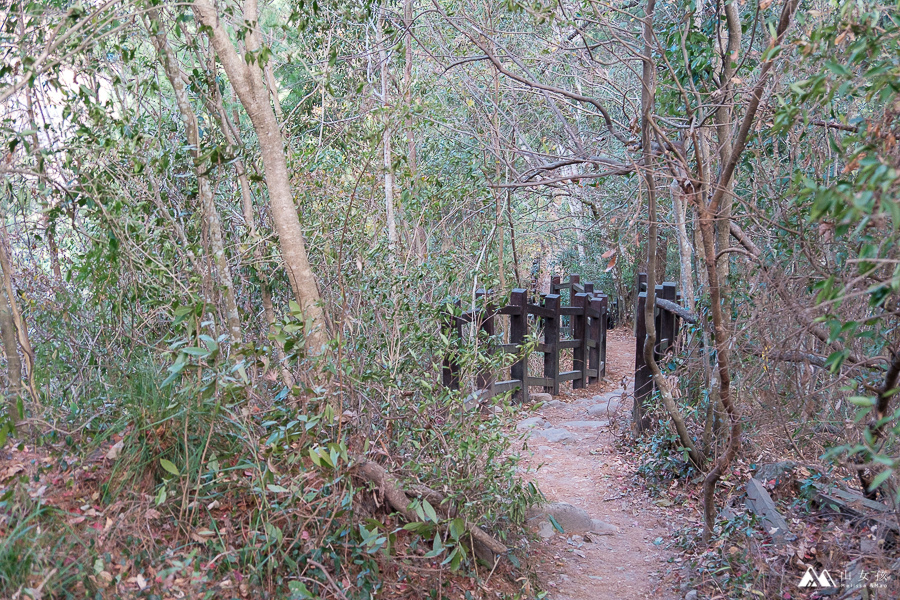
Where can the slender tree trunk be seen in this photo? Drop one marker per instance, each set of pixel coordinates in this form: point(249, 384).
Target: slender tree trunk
point(648, 96)
point(13, 361)
point(685, 251)
point(724, 128)
point(230, 131)
point(709, 215)
point(388, 155)
point(247, 80)
point(407, 85)
point(18, 321)
point(204, 190)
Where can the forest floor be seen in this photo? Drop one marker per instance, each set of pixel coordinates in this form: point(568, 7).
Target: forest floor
point(589, 470)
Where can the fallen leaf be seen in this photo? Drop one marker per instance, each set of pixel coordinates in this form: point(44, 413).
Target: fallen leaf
point(114, 450)
point(12, 471)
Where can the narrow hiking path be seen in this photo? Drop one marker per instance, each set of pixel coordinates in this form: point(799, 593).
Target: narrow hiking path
point(571, 454)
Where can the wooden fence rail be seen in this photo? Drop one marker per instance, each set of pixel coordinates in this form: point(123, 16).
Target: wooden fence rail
point(580, 326)
point(667, 315)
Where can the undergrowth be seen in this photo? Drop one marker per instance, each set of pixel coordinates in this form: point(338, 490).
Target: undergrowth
point(193, 479)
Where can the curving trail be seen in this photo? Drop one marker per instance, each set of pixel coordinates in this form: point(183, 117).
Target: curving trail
point(587, 471)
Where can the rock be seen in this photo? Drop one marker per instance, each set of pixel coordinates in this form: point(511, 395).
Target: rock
point(759, 501)
point(604, 409)
point(571, 518)
point(585, 424)
point(598, 527)
point(554, 403)
point(531, 423)
point(554, 435)
point(691, 595)
point(540, 397)
point(546, 530)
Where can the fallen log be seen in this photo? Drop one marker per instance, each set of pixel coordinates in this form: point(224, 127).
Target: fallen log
point(486, 547)
point(858, 506)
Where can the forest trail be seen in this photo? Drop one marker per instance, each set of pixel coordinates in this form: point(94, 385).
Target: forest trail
point(587, 471)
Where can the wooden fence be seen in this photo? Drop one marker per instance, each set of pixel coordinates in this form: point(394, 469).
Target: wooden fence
point(581, 326)
point(667, 317)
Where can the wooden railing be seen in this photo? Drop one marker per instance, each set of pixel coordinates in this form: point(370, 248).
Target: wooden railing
point(581, 326)
point(667, 317)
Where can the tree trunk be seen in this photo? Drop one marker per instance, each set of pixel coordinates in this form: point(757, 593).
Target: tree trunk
point(13, 361)
point(685, 250)
point(247, 80)
point(21, 331)
point(388, 156)
point(648, 96)
point(204, 190)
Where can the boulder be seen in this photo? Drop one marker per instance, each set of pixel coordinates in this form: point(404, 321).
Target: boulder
point(540, 397)
point(571, 518)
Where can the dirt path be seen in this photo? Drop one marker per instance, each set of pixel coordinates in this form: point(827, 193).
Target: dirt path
point(588, 472)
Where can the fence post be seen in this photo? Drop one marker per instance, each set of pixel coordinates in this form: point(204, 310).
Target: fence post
point(484, 321)
point(601, 342)
point(580, 332)
point(643, 383)
point(518, 331)
point(595, 332)
point(641, 287)
point(551, 342)
point(452, 329)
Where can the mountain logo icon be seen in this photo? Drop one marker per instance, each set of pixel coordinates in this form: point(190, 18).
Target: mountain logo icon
point(812, 579)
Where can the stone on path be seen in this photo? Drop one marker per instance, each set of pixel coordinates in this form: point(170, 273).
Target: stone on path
point(604, 408)
point(540, 397)
point(554, 434)
point(571, 518)
point(585, 424)
point(532, 423)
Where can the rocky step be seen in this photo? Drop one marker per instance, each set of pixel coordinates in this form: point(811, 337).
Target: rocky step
point(570, 518)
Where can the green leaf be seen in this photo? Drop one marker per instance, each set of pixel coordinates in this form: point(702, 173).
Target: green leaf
point(861, 400)
point(194, 351)
point(299, 591)
point(879, 479)
point(277, 489)
point(555, 524)
point(430, 512)
point(169, 466)
point(457, 528)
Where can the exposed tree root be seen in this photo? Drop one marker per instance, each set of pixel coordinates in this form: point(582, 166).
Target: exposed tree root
point(486, 547)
